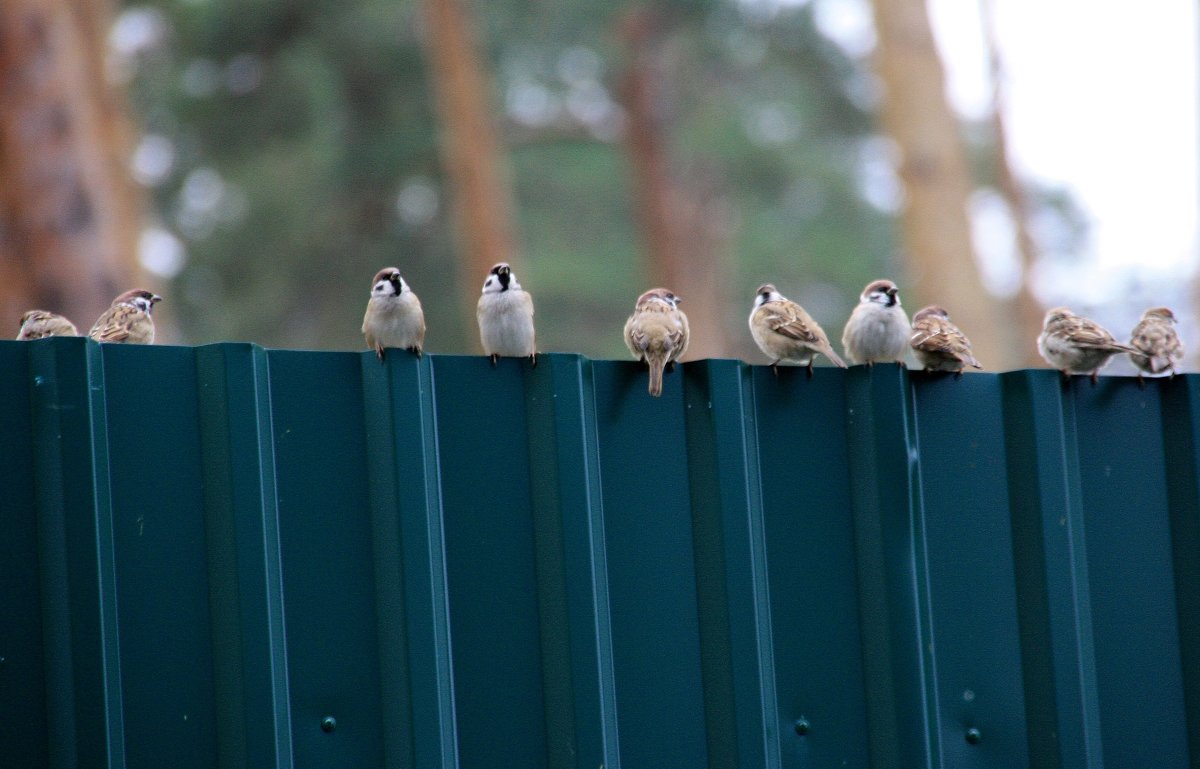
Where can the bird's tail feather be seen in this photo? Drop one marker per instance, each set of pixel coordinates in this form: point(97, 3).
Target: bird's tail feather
point(833, 356)
point(656, 375)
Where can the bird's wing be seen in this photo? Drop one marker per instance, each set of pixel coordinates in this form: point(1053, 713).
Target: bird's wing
point(793, 323)
point(635, 338)
point(116, 324)
point(938, 335)
point(1082, 332)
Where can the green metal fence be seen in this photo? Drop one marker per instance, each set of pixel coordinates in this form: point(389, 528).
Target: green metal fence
point(226, 556)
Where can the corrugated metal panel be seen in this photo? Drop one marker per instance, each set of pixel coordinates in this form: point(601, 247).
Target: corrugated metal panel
point(235, 557)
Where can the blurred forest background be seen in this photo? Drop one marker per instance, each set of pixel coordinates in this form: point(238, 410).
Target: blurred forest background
point(256, 161)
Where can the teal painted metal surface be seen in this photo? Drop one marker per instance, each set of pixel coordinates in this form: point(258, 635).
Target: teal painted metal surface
point(227, 556)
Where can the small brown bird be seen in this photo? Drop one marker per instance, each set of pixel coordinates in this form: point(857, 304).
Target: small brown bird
point(939, 344)
point(394, 317)
point(505, 315)
point(1076, 345)
point(657, 332)
point(878, 329)
point(128, 319)
point(786, 333)
point(1158, 345)
point(38, 324)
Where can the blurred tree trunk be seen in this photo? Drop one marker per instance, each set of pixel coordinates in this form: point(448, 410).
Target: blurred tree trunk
point(1024, 307)
point(469, 146)
point(685, 234)
point(936, 230)
point(69, 211)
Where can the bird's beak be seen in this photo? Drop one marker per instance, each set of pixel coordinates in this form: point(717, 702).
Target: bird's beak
point(891, 292)
point(155, 299)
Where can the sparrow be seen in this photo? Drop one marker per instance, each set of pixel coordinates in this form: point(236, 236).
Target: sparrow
point(38, 324)
point(505, 315)
point(938, 344)
point(128, 319)
point(785, 332)
point(1158, 346)
point(657, 332)
point(394, 317)
point(1076, 345)
point(878, 329)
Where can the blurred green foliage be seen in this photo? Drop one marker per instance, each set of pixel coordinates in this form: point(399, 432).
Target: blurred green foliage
point(303, 157)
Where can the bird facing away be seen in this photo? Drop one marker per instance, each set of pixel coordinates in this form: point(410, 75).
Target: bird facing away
point(394, 317)
point(38, 324)
point(878, 329)
point(505, 315)
point(1076, 345)
point(786, 333)
point(128, 319)
point(939, 344)
point(1157, 344)
point(657, 332)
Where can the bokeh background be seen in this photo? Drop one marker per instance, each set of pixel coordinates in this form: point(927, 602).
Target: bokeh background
point(256, 161)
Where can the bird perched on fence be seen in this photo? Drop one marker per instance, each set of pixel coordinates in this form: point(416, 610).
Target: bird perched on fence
point(128, 319)
point(939, 344)
point(786, 333)
point(878, 329)
point(38, 324)
point(1076, 345)
point(394, 317)
point(657, 332)
point(1157, 344)
point(505, 315)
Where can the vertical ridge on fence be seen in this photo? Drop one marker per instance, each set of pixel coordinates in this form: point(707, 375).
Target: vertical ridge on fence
point(572, 571)
point(244, 571)
point(737, 655)
point(1058, 658)
point(410, 571)
point(1181, 442)
point(24, 719)
point(885, 498)
point(76, 555)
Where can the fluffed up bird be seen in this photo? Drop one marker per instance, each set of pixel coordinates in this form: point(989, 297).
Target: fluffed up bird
point(1076, 345)
point(505, 315)
point(939, 344)
point(657, 332)
point(394, 317)
point(786, 333)
point(128, 319)
point(38, 324)
point(878, 329)
point(1157, 344)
